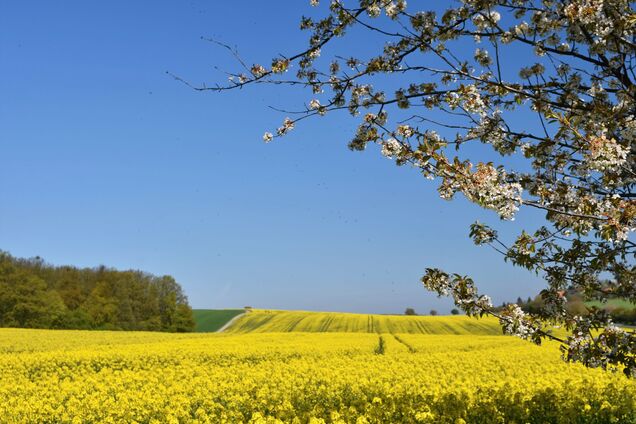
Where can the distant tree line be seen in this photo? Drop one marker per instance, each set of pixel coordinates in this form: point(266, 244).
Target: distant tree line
point(35, 294)
point(433, 312)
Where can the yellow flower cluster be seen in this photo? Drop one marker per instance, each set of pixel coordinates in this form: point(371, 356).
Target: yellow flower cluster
point(50, 376)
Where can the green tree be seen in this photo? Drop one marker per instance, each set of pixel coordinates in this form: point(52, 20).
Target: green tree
point(438, 84)
point(26, 302)
point(101, 307)
point(70, 289)
point(36, 294)
point(173, 308)
point(183, 319)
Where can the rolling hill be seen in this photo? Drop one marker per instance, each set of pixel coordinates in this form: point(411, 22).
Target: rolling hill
point(263, 321)
point(210, 320)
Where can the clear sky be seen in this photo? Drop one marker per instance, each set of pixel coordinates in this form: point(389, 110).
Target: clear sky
point(105, 159)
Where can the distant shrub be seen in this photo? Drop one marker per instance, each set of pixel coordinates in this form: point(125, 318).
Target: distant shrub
point(433, 312)
point(410, 311)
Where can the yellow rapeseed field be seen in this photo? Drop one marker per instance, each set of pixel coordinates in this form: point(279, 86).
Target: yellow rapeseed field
point(260, 320)
point(50, 376)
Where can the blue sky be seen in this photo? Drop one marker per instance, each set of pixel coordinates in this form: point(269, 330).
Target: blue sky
point(108, 160)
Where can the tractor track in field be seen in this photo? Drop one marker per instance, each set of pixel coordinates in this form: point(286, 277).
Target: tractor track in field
point(408, 346)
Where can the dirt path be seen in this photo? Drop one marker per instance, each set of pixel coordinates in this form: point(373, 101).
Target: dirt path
point(230, 322)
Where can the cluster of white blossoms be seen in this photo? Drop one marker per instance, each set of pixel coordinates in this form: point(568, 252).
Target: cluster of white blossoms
point(521, 29)
point(621, 232)
point(578, 208)
point(483, 57)
point(514, 321)
point(361, 95)
point(369, 118)
point(579, 350)
point(258, 70)
point(471, 99)
point(507, 37)
point(374, 10)
point(452, 99)
point(483, 21)
point(314, 53)
point(591, 14)
point(372, 118)
point(392, 148)
point(394, 8)
point(314, 104)
point(484, 302)
point(568, 200)
point(596, 89)
point(391, 10)
point(628, 130)
point(482, 234)
point(604, 154)
point(462, 290)
point(539, 50)
point(607, 207)
point(488, 188)
point(280, 65)
point(489, 130)
point(287, 126)
point(405, 131)
point(581, 347)
point(438, 281)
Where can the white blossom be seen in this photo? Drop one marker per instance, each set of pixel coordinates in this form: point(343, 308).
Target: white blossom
point(258, 70)
point(405, 131)
point(604, 153)
point(482, 21)
point(373, 10)
point(472, 100)
point(483, 57)
point(287, 126)
point(590, 13)
point(391, 10)
point(392, 148)
point(314, 53)
point(506, 37)
point(513, 321)
point(438, 281)
point(487, 187)
point(521, 29)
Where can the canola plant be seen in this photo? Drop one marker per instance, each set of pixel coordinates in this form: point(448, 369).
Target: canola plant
point(50, 376)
